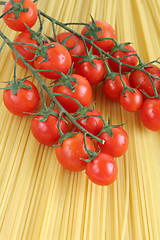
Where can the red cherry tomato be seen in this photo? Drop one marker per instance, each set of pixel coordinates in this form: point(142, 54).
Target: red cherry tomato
point(107, 32)
point(91, 124)
point(59, 59)
point(72, 150)
point(24, 50)
point(26, 100)
point(130, 60)
point(112, 89)
point(29, 18)
point(117, 145)
point(102, 170)
point(83, 93)
point(131, 101)
point(150, 114)
point(47, 132)
point(93, 74)
point(79, 48)
point(141, 80)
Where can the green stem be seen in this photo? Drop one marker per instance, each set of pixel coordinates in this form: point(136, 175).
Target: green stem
point(105, 63)
point(14, 75)
point(8, 11)
point(2, 46)
point(154, 87)
point(90, 153)
point(2, 3)
point(42, 95)
point(124, 85)
point(41, 23)
point(58, 124)
point(54, 31)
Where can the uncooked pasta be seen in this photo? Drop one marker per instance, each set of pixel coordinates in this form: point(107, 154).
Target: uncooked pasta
point(39, 199)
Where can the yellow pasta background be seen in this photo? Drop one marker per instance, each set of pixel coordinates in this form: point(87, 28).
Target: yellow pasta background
point(41, 200)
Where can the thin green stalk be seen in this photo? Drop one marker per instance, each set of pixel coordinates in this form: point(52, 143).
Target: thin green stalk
point(14, 75)
point(2, 2)
point(58, 124)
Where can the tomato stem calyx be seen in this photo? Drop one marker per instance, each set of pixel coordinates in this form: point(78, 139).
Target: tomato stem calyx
point(88, 57)
point(108, 128)
point(63, 137)
point(120, 47)
point(46, 112)
point(41, 51)
point(126, 88)
point(64, 42)
point(82, 112)
point(66, 80)
point(110, 75)
point(16, 85)
point(93, 29)
point(17, 8)
point(37, 35)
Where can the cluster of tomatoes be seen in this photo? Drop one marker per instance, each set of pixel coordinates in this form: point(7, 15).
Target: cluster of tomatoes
point(75, 62)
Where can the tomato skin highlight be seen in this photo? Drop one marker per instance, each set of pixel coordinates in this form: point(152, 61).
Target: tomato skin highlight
point(72, 150)
point(26, 100)
point(79, 48)
point(131, 101)
point(102, 170)
point(25, 37)
point(93, 74)
point(108, 32)
point(130, 60)
point(59, 60)
point(92, 124)
point(113, 89)
point(83, 93)
point(29, 18)
point(117, 145)
point(47, 132)
point(150, 114)
point(141, 81)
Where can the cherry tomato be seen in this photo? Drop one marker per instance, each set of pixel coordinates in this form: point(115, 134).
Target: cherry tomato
point(141, 80)
point(112, 89)
point(93, 74)
point(131, 101)
point(59, 59)
point(150, 114)
point(83, 93)
point(24, 50)
point(72, 151)
point(130, 60)
point(107, 32)
point(79, 48)
point(102, 170)
point(29, 18)
point(91, 124)
point(26, 100)
point(117, 145)
point(47, 132)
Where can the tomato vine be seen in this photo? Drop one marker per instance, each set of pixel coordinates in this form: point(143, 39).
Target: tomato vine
point(117, 61)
